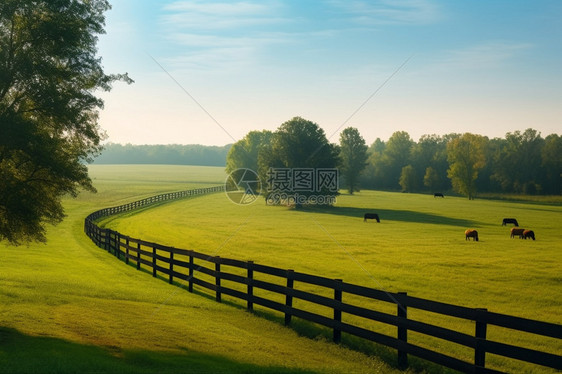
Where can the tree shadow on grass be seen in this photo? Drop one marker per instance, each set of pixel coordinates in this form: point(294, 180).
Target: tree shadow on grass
point(390, 215)
point(21, 353)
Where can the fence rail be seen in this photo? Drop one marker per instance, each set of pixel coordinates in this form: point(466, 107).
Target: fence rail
point(277, 291)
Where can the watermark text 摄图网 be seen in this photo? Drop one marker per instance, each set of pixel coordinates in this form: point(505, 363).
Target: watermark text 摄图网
point(302, 186)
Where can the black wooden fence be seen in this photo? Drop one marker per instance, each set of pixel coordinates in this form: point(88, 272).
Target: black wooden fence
point(274, 288)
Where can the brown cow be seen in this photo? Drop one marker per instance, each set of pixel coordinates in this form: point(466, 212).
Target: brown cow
point(528, 234)
point(471, 233)
point(516, 231)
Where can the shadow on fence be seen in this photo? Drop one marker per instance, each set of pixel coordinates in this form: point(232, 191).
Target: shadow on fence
point(274, 288)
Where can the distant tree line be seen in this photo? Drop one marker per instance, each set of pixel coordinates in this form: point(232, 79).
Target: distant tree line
point(522, 162)
point(172, 154)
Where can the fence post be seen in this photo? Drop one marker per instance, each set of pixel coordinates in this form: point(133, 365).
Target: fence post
point(218, 278)
point(106, 239)
point(289, 296)
point(115, 244)
point(191, 265)
point(171, 267)
point(118, 249)
point(138, 256)
point(154, 261)
point(402, 331)
point(127, 250)
point(337, 310)
point(250, 286)
point(480, 334)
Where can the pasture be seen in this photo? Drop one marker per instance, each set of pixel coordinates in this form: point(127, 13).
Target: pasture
point(418, 247)
point(68, 306)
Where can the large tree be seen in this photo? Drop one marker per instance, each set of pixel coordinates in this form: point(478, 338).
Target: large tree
point(353, 155)
point(466, 155)
point(299, 144)
point(49, 74)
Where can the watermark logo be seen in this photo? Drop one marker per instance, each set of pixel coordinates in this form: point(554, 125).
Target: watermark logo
point(301, 186)
point(243, 186)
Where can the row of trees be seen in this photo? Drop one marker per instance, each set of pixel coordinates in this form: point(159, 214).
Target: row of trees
point(522, 162)
point(170, 154)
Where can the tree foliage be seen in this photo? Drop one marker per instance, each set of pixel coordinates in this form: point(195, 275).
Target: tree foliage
point(551, 162)
point(395, 154)
point(466, 156)
point(431, 152)
point(518, 158)
point(431, 179)
point(408, 180)
point(245, 152)
point(353, 155)
point(49, 73)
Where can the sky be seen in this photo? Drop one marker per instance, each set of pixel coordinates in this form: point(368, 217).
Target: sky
point(208, 72)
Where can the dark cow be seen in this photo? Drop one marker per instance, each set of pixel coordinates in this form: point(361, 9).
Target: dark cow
point(516, 231)
point(371, 216)
point(528, 234)
point(471, 233)
point(509, 220)
point(438, 194)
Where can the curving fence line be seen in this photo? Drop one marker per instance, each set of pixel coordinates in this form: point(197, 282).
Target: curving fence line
point(337, 305)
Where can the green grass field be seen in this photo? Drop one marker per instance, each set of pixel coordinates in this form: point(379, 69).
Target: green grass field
point(419, 247)
point(68, 306)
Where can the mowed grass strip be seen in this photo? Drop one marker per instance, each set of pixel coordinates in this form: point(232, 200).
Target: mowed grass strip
point(419, 247)
point(68, 306)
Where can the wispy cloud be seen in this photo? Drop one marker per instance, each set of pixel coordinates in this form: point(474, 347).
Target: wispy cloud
point(487, 55)
point(202, 15)
point(213, 41)
point(389, 11)
point(214, 59)
point(220, 35)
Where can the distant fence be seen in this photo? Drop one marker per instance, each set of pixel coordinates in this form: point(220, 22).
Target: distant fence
point(259, 284)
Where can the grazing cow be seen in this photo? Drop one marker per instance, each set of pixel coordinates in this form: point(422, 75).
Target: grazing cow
point(509, 220)
point(516, 231)
point(438, 194)
point(371, 216)
point(528, 234)
point(471, 233)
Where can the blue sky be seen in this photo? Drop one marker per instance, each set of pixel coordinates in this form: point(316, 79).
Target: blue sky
point(208, 72)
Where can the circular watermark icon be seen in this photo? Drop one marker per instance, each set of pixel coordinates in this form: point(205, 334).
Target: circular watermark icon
point(242, 186)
